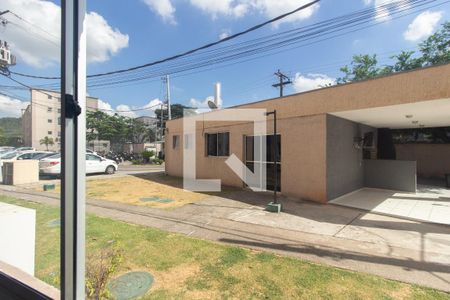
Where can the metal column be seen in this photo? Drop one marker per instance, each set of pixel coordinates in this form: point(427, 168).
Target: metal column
point(73, 147)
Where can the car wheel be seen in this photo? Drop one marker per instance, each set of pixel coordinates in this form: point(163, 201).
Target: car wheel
point(110, 170)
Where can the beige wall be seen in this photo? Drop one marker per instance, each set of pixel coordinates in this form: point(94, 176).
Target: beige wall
point(303, 155)
point(433, 160)
point(36, 118)
point(302, 124)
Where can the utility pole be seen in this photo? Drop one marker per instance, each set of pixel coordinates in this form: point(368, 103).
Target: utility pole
point(169, 110)
point(283, 80)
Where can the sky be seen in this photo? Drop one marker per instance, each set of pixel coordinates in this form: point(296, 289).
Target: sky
point(122, 36)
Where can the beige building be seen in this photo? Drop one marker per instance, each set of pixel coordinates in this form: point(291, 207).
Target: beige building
point(43, 118)
point(331, 139)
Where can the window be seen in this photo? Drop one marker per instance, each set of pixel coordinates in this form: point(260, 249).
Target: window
point(251, 161)
point(93, 157)
point(218, 144)
point(59, 110)
point(49, 132)
point(59, 133)
point(59, 120)
point(175, 141)
point(187, 141)
point(50, 121)
point(49, 109)
point(49, 96)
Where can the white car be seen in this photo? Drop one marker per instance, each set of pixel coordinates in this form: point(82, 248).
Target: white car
point(94, 164)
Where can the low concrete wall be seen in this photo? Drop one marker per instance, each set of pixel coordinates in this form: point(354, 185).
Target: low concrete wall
point(433, 160)
point(390, 174)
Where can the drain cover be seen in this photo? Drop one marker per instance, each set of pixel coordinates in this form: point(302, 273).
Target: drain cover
point(156, 199)
point(54, 223)
point(130, 285)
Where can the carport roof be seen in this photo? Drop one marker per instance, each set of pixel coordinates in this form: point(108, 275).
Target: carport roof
point(434, 113)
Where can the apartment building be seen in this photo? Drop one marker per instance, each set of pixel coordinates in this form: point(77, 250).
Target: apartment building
point(42, 118)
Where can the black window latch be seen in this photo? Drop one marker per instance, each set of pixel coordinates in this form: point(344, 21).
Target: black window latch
point(72, 108)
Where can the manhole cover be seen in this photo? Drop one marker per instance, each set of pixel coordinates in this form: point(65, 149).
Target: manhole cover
point(54, 223)
point(156, 199)
point(130, 285)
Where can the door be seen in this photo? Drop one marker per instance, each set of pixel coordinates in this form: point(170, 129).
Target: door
point(93, 164)
point(268, 161)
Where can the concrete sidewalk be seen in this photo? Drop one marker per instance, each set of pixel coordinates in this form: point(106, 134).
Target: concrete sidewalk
point(394, 248)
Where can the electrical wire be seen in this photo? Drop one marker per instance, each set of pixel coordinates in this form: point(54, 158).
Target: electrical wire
point(257, 48)
point(59, 98)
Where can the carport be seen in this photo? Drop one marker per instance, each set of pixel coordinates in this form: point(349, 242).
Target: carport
point(390, 185)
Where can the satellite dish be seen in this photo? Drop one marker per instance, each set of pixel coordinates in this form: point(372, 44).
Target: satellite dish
point(212, 105)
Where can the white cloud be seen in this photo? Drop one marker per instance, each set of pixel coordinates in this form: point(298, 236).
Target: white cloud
point(303, 83)
point(102, 40)
point(383, 14)
point(130, 111)
point(237, 8)
point(153, 104)
point(222, 7)
point(274, 8)
point(224, 34)
point(422, 26)
point(10, 107)
point(39, 45)
point(125, 110)
point(164, 8)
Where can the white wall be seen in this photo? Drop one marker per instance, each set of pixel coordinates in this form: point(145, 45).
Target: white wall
point(17, 236)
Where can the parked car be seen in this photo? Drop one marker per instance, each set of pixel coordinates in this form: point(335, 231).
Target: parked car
point(25, 149)
point(94, 164)
point(34, 155)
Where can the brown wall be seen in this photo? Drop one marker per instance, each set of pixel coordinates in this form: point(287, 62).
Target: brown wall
point(433, 160)
point(302, 125)
point(303, 155)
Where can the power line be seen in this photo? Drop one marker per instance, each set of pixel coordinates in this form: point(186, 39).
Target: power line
point(265, 46)
point(256, 27)
point(283, 80)
point(59, 98)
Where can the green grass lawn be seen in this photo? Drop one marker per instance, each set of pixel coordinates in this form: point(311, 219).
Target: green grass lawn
point(188, 268)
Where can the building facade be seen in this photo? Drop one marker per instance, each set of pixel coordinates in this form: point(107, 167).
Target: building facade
point(42, 118)
point(331, 140)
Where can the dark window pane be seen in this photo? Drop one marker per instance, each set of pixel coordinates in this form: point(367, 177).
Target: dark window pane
point(249, 148)
point(270, 152)
point(175, 141)
point(270, 177)
point(223, 144)
point(211, 144)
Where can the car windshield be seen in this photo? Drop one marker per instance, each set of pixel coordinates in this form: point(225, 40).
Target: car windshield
point(41, 155)
point(9, 155)
point(58, 155)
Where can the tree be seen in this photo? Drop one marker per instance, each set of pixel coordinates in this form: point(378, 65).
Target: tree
point(177, 110)
point(436, 48)
point(47, 141)
point(362, 67)
point(405, 61)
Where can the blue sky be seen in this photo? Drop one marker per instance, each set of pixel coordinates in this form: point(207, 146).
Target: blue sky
point(145, 31)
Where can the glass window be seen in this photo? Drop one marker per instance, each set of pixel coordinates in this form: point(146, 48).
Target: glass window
point(49, 132)
point(175, 141)
point(223, 144)
point(49, 109)
point(49, 97)
point(50, 121)
point(218, 144)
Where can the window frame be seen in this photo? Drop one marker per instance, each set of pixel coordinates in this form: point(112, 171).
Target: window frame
point(219, 153)
point(175, 141)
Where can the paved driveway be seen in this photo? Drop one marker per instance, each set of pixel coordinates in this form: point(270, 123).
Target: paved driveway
point(430, 203)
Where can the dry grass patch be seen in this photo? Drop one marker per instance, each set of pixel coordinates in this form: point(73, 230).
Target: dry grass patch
point(132, 189)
